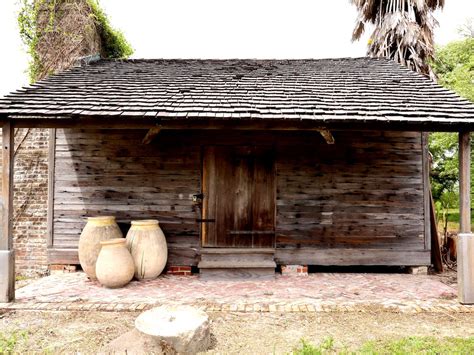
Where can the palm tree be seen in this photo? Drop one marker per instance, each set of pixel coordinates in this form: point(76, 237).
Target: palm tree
point(403, 30)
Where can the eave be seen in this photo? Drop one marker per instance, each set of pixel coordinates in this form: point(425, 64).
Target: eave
point(437, 124)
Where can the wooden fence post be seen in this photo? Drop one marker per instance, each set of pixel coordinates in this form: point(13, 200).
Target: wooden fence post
point(7, 256)
point(465, 237)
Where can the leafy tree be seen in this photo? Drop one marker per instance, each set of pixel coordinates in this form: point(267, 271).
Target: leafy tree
point(58, 32)
point(467, 29)
point(444, 167)
point(454, 66)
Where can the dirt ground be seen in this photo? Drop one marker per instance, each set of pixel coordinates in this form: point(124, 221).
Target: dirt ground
point(448, 277)
point(249, 333)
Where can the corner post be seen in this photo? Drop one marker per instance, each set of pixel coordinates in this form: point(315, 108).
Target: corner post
point(466, 237)
point(7, 257)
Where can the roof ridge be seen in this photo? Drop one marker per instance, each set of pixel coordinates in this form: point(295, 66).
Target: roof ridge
point(242, 59)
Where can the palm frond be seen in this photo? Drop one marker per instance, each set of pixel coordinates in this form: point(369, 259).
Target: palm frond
point(403, 30)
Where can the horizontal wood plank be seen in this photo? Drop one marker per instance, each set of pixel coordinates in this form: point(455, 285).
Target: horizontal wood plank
point(349, 256)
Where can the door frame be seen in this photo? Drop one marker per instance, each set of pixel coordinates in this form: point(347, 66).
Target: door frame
point(203, 204)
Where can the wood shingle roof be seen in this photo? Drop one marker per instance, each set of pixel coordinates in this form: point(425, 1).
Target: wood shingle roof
point(326, 90)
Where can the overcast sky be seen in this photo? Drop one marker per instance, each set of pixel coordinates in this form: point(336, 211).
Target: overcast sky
point(224, 29)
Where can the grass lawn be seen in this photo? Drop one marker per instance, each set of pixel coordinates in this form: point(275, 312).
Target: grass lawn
point(373, 332)
point(409, 345)
point(453, 221)
point(8, 342)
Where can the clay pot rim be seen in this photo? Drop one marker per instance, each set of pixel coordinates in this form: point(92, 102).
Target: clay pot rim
point(145, 222)
point(101, 220)
point(114, 241)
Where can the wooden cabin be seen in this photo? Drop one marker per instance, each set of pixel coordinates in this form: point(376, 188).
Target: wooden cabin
point(247, 164)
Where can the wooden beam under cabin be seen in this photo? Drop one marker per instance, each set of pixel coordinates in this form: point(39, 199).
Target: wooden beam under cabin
point(7, 257)
point(151, 134)
point(425, 154)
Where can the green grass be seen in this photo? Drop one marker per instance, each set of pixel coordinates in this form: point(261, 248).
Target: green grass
point(454, 216)
point(420, 345)
point(453, 221)
point(409, 345)
point(325, 347)
point(9, 341)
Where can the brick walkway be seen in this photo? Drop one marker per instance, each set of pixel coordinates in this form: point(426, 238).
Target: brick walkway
point(316, 292)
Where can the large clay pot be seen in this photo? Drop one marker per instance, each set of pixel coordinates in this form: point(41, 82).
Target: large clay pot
point(147, 244)
point(114, 267)
point(96, 230)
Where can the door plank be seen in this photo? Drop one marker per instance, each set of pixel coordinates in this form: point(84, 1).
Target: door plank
point(209, 201)
point(264, 196)
point(243, 164)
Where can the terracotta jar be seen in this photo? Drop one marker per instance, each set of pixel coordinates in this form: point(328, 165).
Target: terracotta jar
point(114, 267)
point(96, 230)
point(147, 244)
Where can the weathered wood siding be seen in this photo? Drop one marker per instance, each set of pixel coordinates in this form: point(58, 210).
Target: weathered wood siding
point(363, 195)
point(113, 173)
point(364, 192)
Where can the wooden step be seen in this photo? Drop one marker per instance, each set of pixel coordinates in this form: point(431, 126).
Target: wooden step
point(237, 258)
point(231, 263)
point(236, 264)
point(237, 274)
point(237, 251)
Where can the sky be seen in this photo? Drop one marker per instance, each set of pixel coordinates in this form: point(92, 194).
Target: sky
point(225, 29)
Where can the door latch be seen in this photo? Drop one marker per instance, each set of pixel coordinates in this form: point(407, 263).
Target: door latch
point(197, 198)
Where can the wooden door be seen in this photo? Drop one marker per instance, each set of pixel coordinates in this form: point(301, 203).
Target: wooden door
point(239, 197)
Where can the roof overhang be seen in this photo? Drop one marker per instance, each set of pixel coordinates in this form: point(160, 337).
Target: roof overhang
point(202, 123)
point(337, 94)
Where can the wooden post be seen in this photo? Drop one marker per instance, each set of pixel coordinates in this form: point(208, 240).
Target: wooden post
point(7, 258)
point(465, 181)
point(465, 237)
point(51, 167)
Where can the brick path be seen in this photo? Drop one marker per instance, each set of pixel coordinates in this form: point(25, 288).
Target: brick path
point(316, 292)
